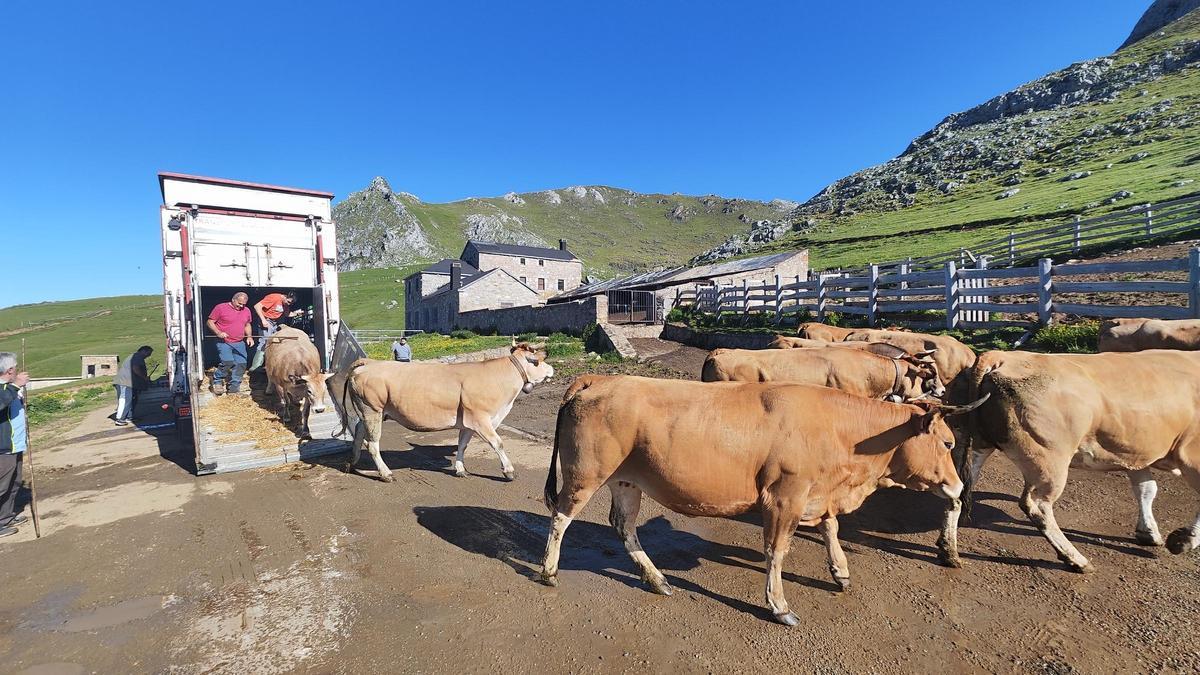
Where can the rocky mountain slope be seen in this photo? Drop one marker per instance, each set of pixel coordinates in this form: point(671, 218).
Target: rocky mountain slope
point(1090, 138)
point(612, 230)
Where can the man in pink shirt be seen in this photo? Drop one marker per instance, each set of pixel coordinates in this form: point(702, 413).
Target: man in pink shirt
point(230, 322)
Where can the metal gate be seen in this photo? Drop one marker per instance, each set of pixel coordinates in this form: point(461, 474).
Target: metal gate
point(633, 307)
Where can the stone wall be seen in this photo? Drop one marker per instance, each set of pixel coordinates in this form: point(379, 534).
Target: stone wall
point(684, 335)
point(102, 365)
point(495, 291)
point(565, 317)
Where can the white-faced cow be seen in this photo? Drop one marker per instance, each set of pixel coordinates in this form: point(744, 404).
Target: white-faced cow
point(802, 454)
point(1051, 412)
point(898, 378)
point(293, 367)
point(471, 397)
point(1134, 335)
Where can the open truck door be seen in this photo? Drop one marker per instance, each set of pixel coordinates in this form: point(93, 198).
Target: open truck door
point(222, 237)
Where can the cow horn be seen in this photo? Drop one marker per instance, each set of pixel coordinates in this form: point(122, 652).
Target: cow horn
point(514, 341)
point(949, 410)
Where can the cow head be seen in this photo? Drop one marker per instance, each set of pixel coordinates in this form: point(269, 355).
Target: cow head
point(924, 460)
point(922, 376)
point(312, 388)
point(532, 359)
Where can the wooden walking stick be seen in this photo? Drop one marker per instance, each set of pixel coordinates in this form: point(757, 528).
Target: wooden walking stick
point(37, 522)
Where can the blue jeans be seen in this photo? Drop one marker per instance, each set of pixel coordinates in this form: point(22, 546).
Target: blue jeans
point(233, 364)
point(126, 399)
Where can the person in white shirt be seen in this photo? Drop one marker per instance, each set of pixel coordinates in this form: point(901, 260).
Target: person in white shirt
point(401, 351)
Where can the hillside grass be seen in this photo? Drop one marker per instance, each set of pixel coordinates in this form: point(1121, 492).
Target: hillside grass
point(972, 214)
point(367, 297)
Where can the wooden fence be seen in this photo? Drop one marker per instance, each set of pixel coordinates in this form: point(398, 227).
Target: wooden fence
point(1161, 221)
point(969, 297)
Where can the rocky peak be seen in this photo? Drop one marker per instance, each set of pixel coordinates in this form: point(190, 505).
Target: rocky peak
point(1159, 14)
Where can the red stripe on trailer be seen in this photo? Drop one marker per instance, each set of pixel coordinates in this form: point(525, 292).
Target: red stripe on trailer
point(186, 257)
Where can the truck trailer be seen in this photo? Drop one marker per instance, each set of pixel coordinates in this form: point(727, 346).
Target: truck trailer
point(223, 236)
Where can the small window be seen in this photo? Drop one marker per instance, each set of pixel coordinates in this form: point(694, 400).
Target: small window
point(523, 280)
point(541, 284)
point(541, 263)
point(562, 285)
point(522, 261)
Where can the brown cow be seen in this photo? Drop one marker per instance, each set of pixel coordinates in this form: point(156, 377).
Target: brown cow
point(293, 367)
point(852, 370)
point(819, 331)
point(801, 454)
point(1134, 335)
point(1049, 412)
point(880, 348)
point(471, 397)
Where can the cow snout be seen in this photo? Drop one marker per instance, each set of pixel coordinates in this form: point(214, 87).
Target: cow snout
point(950, 490)
point(319, 407)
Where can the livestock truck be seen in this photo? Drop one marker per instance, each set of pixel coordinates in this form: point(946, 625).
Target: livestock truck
point(223, 236)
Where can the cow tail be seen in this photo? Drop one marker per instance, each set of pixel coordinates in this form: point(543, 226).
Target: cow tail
point(551, 492)
point(986, 363)
point(345, 390)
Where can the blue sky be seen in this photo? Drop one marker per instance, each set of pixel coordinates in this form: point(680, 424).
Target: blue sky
point(450, 100)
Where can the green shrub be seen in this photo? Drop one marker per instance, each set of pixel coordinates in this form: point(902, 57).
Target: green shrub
point(591, 337)
point(611, 357)
point(1072, 337)
point(834, 319)
point(527, 337)
point(462, 334)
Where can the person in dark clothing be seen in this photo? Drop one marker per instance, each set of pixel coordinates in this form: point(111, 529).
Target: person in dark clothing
point(131, 379)
point(12, 441)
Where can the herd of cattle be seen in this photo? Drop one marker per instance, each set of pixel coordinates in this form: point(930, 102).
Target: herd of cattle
point(806, 430)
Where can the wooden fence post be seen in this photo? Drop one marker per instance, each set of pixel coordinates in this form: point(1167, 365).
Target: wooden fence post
point(905, 268)
point(951, 295)
point(872, 295)
point(778, 298)
point(1012, 249)
point(1149, 221)
point(1194, 281)
point(1044, 289)
point(1075, 236)
point(821, 297)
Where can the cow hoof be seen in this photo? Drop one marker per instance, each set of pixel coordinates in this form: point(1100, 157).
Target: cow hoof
point(1180, 541)
point(388, 478)
point(951, 561)
point(550, 580)
point(1086, 568)
point(349, 467)
point(843, 583)
point(461, 473)
point(787, 619)
point(510, 475)
point(1148, 538)
point(662, 587)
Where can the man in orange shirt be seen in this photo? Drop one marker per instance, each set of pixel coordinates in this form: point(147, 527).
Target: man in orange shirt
point(271, 309)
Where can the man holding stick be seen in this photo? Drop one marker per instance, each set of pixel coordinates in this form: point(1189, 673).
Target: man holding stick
point(12, 441)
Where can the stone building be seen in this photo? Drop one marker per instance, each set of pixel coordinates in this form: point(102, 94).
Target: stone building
point(549, 271)
point(92, 365)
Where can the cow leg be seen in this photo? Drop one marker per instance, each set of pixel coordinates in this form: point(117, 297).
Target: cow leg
point(978, 456)
point(464, 437)
point(1037, 502)
point(485, 430)
point(571, 500)
point(1145, 488)
point(838, 567)
point(626, 502)
point(779, 523)
point(1186, 538)
point(947, 542)
point(374, 427)
point(360, 431)
point(284, 414)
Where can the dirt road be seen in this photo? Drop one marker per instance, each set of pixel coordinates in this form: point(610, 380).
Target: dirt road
point(145, 568)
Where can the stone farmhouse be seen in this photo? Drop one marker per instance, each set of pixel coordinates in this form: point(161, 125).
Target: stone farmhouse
point(487, 276)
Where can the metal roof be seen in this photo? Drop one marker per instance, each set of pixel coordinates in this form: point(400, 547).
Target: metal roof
point(526, 251)
point(675, 275)
point(162, 175)
point(443, 267)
